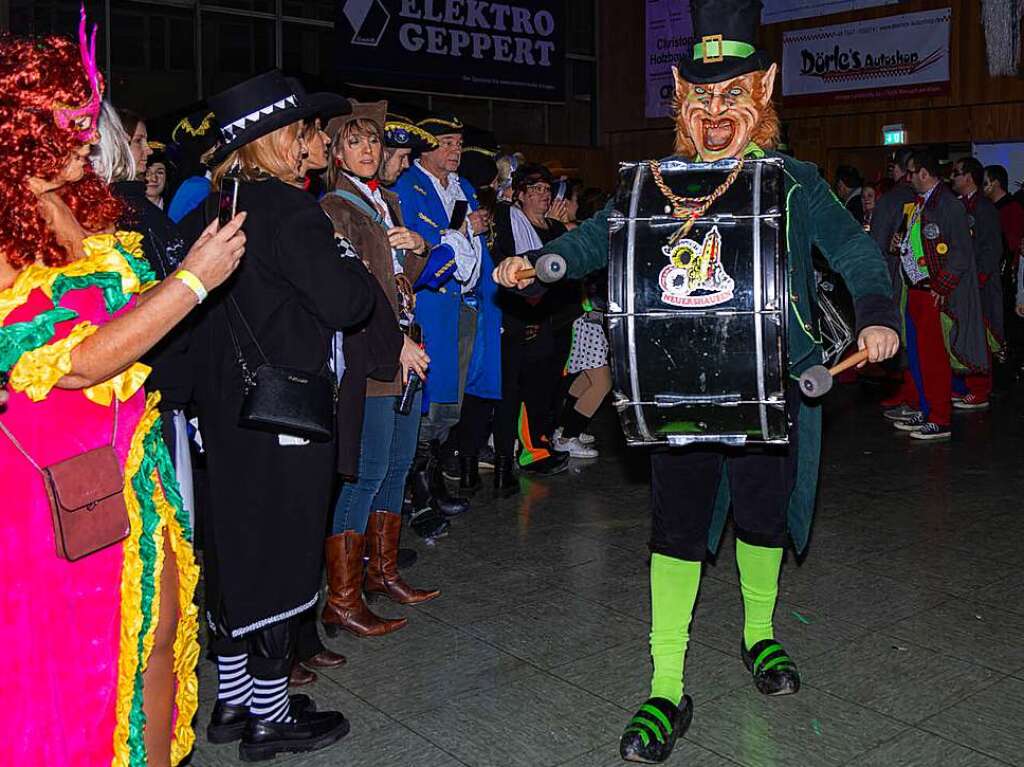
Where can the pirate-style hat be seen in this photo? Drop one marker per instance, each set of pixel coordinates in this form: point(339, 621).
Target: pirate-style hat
point(263, 104)
point(726, 35)
point(374, 111)
point(402, 132)
point(440, 124)
point(479, 154)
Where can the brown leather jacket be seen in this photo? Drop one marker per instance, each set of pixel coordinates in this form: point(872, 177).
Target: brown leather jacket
point(371, 243)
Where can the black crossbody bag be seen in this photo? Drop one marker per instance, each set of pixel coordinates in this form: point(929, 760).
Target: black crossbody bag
point(283, 400)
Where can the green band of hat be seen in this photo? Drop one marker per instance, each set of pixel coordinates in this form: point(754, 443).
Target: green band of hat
point(716, 49)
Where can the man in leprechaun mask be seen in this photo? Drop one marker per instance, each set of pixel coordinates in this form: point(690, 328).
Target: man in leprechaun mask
point(724, 111)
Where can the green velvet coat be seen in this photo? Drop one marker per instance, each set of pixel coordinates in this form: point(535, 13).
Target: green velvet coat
point(815, 217)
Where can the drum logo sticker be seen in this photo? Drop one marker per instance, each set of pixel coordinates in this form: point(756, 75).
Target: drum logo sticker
point(695, 277)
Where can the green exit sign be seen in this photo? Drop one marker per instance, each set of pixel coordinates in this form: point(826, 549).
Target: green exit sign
point(893, 135)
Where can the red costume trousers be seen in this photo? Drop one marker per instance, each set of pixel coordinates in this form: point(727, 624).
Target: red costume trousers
point(936, 372)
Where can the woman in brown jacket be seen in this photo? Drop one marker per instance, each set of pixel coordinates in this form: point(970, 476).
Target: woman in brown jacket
point(368, 224)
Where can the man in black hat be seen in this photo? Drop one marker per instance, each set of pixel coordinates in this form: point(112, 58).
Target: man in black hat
point(725, 111)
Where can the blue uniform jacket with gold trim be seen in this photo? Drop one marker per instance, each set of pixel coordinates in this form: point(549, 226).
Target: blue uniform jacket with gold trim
point(437, 310)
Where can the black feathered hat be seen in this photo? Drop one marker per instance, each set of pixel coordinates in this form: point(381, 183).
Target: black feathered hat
point(726, 41)
point(264, 103)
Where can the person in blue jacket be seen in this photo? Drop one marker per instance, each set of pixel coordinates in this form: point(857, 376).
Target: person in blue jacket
point(461, 320)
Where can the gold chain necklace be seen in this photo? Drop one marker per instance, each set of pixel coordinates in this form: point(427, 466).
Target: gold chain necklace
point(691, 208)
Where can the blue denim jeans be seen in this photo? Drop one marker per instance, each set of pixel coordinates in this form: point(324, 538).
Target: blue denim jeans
point(386, 452)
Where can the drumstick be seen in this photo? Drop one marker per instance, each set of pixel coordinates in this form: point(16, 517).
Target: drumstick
point(526, 274)
point(851, 361)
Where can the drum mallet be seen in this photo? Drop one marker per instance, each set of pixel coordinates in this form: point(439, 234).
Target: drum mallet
point(549, 267)
point(817, 381)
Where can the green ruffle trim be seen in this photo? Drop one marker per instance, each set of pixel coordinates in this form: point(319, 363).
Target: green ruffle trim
point(20, 337)
point(156, 458)
point(114, 298)
point(140, 266)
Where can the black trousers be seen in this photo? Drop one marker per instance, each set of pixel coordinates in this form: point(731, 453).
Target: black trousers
point(684, 485)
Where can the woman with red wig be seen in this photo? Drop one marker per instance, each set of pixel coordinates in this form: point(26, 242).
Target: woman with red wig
point(102, 625)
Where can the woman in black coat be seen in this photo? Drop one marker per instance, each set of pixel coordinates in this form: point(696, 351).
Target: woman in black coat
point(269, 493)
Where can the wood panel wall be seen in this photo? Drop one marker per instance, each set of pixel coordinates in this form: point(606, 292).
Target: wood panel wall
point(978, 107)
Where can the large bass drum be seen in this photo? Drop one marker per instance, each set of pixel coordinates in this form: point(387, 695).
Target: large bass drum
point(698, 321)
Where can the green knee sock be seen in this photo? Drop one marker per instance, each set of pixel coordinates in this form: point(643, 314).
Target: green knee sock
point(759, 582)
point(674, 585)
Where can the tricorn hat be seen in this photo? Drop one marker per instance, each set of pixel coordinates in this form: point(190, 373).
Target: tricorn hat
point(402, 132)
point(261, 105)
point(441, 124)
point(726, 41)
point(479, 155)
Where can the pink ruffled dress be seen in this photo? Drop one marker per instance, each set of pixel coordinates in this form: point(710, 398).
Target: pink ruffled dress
point(77, 635)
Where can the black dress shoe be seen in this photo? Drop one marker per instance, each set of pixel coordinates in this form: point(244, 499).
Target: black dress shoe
point(556, 463)
point(308, 731)
point(651, 734)
point(773, 670)
point(228, 721)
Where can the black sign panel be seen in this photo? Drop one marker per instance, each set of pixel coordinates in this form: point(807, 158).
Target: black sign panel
point(510, 49)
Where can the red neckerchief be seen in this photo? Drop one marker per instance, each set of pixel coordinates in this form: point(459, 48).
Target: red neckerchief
point(373, 184)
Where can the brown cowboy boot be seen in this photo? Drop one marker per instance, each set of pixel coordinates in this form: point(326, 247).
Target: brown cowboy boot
point(382, 576)
point(345, 607)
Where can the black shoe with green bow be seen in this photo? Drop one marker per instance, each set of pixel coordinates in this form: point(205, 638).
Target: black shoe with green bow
point(651, 733)
point(774, 671)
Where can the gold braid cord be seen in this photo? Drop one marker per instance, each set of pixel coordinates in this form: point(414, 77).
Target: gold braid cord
point(691, 208)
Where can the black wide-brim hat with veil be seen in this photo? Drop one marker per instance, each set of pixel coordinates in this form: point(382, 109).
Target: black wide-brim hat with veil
point(725, 34)
point(262, 104)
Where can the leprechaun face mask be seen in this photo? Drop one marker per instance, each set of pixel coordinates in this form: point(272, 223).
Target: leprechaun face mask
point(719, 120)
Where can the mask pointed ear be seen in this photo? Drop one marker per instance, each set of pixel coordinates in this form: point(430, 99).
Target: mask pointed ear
point(768, 85)
point(682, 86)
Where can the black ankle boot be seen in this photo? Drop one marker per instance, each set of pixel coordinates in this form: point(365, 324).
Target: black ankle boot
point(443, 501)
point(469, 474)
point(308, 731)
point(506, 481)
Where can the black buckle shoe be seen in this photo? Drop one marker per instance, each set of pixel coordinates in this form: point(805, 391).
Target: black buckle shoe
point(228, 720)
point(428, 524)
point(773, 670)
point(651, 734)
point(309, 731)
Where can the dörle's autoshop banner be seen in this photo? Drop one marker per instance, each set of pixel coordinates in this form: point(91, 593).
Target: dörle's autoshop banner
point(513, 50)
point(891, 57)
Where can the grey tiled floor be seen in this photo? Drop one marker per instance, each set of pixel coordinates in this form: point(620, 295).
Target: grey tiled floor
point(906, 617)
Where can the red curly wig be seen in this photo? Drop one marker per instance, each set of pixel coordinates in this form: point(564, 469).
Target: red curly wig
point(35, 74)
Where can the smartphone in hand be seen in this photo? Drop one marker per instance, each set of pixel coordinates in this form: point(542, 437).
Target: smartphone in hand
point(228, 199)
point(459, 214)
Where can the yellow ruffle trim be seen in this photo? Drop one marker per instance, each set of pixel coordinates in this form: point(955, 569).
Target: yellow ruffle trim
point(39, 370)
point(101, 255)
point(186, 642)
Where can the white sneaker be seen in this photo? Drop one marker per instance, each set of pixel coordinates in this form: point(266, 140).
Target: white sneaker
point(574, 448)
point(587, 439)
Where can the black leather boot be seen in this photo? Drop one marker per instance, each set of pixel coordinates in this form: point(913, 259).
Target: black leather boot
point(469, 475)
point(506, 480)
point(443, 501)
